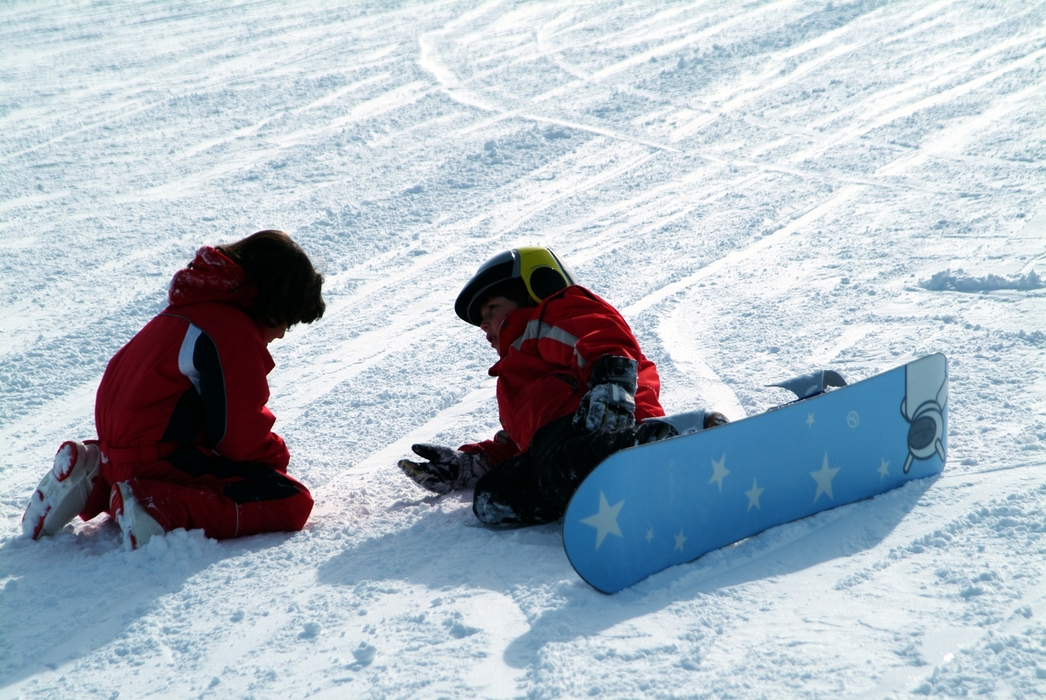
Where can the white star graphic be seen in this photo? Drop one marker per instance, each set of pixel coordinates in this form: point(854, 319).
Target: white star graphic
point(753, 495)
point(679, 541)
point(649, 534)
point(884, 469)
point(719, 471)
point(824, 479)
point(810, 420)
point(605, 521)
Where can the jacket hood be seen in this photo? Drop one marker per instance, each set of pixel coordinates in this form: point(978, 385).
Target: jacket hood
point(211, 276)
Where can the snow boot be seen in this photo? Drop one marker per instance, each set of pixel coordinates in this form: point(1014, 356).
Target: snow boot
point(63, 492)
point(714, 418)
point(137, 526)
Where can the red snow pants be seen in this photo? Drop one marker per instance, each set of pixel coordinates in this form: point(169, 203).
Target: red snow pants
point(193, 489)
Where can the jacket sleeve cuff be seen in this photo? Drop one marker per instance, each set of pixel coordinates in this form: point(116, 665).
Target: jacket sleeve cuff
point(493, 450)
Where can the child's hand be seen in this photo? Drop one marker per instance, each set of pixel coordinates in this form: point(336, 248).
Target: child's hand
point(606, 407)
point(610, 404)
point(446, 470)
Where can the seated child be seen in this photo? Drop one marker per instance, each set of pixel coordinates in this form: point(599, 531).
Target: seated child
point(573, 387)
point(184, 437)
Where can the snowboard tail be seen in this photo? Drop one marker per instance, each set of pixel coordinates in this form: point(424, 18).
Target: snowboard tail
point(650, 507)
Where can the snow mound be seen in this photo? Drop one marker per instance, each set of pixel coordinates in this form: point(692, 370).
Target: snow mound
point(959, 281)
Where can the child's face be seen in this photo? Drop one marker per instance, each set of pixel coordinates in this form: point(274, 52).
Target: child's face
point(492, 315)
point(271, 333)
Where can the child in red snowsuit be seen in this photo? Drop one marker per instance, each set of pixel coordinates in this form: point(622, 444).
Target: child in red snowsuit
point(184, 436)
point(573, 388)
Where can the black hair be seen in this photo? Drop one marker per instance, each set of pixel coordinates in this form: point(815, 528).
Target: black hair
point(289, 288)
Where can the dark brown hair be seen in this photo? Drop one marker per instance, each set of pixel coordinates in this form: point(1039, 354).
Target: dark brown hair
point(514, 289)
point(289, 288)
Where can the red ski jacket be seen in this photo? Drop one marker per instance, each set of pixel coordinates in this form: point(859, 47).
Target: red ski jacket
point(547, 353)
point(193, 376)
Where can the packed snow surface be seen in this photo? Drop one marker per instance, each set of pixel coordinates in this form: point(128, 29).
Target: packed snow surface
point(763, 188)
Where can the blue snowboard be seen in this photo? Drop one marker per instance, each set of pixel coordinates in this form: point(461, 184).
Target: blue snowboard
point(647, 508)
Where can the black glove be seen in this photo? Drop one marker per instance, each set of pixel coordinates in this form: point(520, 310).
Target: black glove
point(446, 470)
point(610, 403)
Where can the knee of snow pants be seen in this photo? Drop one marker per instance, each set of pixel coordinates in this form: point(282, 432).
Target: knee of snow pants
point(535, 487)
point(508, 494)
point(564, 455)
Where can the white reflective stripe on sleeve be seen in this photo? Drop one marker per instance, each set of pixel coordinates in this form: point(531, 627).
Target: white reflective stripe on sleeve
point(536, 330)
point(185, 362)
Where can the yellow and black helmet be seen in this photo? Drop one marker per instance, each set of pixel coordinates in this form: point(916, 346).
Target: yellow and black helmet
point(541, 270)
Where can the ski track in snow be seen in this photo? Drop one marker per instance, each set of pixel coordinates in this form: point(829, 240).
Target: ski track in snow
point(762, 188)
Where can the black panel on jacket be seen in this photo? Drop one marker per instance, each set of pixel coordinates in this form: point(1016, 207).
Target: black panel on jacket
point(212, 388)
point(186, 420)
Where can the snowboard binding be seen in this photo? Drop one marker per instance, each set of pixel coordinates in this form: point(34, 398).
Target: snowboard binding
point(809, 385)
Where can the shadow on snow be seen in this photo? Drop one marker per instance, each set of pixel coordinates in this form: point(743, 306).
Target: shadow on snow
point(66, 597)
point(443, 551)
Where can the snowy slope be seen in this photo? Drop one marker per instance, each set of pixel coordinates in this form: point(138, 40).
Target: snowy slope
point(762, 187)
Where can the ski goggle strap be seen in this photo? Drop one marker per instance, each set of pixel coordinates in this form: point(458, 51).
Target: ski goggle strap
point(542, 271)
